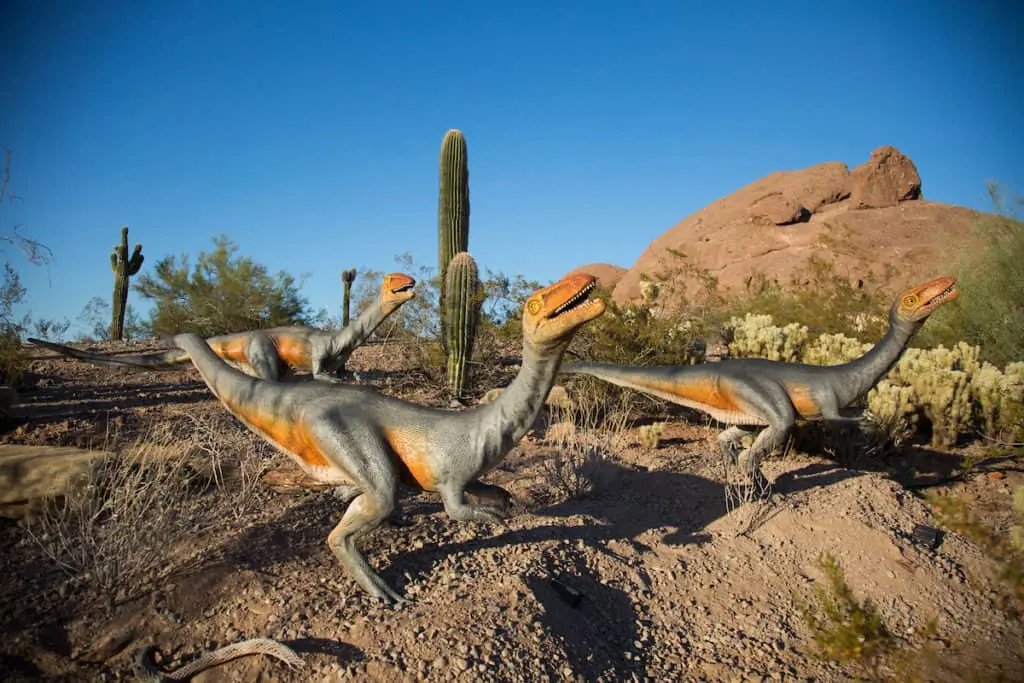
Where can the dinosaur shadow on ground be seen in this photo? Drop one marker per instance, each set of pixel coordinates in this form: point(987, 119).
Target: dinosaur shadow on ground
point(342, 652)
point(595, 622)
point(917, 464)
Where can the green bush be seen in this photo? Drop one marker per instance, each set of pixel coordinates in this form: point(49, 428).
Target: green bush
point(223, 293)
point(845, 629)
point(990, 278)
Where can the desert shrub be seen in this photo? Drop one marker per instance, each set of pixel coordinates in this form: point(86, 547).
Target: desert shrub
point(844, 628)
point(818, 298)
point(117, 526)
point(223, 293)
point(95, 319)
point(991, 282)
point(650, 435)
point(585, 434)
point(1006, 548)
point(13, 359)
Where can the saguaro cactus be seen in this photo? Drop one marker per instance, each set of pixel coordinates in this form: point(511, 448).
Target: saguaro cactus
point(462, 310)
point(452, 211)
point(124, 267)
point(347, 277)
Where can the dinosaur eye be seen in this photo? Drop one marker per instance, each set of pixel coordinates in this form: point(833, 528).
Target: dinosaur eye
point(533, 306)
point(910, 300)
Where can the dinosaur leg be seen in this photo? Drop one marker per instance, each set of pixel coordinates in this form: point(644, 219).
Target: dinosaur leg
point(324, 371)
point(767, 441)
point(359, 451)
point(454, 499)
point(364, 514)
point(730, 442)
point(491, 495)
point(346, 493)
point(263, 358)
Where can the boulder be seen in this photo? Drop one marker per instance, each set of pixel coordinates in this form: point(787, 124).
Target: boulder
point(886, 179)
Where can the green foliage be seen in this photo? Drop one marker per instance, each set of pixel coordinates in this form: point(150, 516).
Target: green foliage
point(635, 335)
point(462, 312)
point(95, 317)
point(124, 267)
point(990, 308)
point(502, 308)
point(452, 210)
point(819, 298)
point(223, 293)
point(347, 278)
point(1006, 548)
point(844, 628)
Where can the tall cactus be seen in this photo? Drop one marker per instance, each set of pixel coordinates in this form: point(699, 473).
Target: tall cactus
point(452, 212)
point(347, 277)
point(124, 267)
point(462, 310)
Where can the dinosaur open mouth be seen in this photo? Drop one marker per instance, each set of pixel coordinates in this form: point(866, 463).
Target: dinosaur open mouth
point(944, 294)
point(578, 299)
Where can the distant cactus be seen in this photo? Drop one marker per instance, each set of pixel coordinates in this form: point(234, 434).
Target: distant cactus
point(124, 267)
point(452, 212)
point(347, 277)
point(462, 310)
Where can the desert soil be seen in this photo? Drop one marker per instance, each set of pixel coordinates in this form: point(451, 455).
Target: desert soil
point(648, 578)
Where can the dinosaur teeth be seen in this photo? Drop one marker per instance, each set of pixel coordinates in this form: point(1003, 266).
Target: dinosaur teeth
point(576, 299)
point(942, 295)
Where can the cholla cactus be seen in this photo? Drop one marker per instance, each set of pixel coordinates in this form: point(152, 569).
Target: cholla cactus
point(649, 290)
point(999, 399)
point(893, 411)
point(756, 336)
point(944, 396)
point(834, 349)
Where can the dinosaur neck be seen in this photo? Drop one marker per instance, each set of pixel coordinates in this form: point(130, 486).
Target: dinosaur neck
point(507, 419)
point(855, 378)
point(358, 330)
point(227, 383)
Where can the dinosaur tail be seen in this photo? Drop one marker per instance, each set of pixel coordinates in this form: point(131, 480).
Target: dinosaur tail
point(146, 671)
point(156, 361)
point(651, 379)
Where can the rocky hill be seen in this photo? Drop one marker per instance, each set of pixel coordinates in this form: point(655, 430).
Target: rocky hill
point(871, 223)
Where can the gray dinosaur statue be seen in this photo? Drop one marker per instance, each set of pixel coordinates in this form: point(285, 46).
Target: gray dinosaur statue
point(753, 394)
point(367, 443)
point(273, 353)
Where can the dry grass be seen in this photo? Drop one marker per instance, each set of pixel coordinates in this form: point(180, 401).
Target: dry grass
point(117, 528)
point(585, 433)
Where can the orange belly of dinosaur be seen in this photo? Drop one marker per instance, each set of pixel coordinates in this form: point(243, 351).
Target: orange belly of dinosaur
point(287, 435)
point(706, 392)
point(410, 449)
point(293, 351)
point(233, 350)
point(803, 400)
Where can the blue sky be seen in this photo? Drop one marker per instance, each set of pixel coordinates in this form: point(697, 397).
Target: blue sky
point(309, 131)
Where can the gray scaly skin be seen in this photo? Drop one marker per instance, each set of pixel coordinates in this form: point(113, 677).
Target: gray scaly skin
point(367, 443)
point(273, 352)
point(146, 671)
point(754, 392)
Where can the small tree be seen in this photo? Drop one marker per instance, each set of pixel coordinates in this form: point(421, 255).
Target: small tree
point(223, 293)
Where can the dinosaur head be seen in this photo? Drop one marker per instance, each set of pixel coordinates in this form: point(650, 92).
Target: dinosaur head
point(920, 301)
point(552, 315)
point(397, 288)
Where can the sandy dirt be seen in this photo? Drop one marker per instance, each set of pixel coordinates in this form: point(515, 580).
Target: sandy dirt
point(648, 578)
